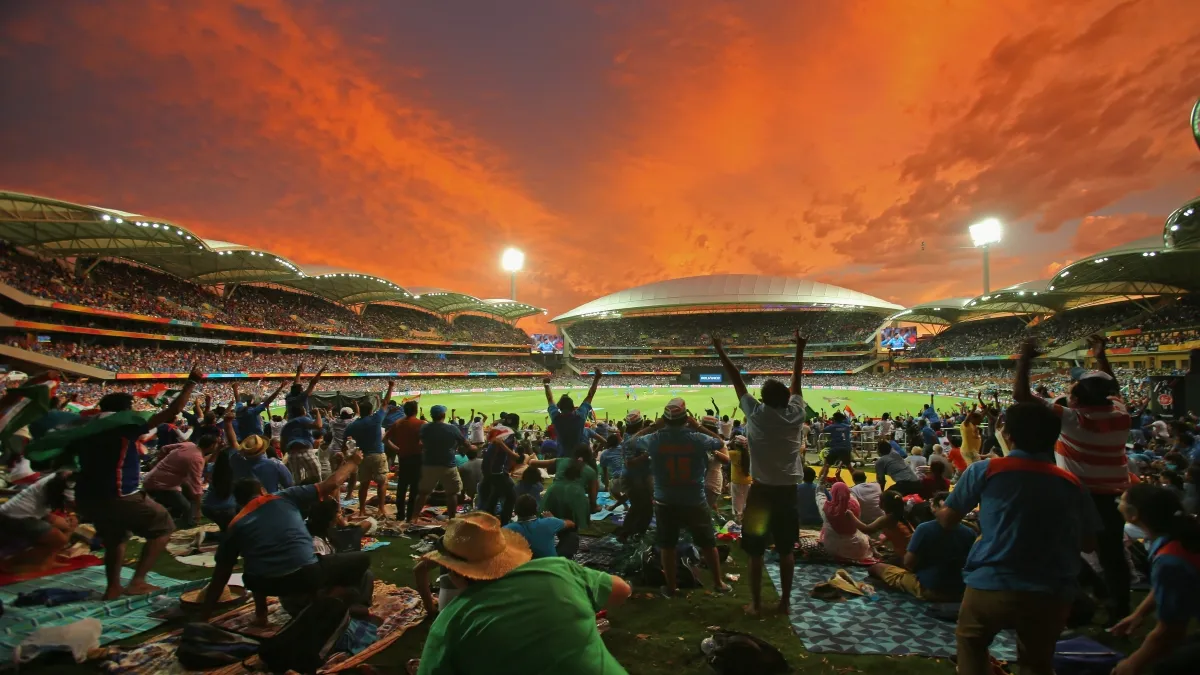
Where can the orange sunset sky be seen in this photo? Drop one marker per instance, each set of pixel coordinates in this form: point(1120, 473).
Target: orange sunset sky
point(617, 143)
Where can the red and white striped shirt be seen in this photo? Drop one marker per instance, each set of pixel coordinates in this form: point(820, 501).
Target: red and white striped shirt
point(1092, 445)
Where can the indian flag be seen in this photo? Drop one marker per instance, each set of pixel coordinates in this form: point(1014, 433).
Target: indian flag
point(21, 405)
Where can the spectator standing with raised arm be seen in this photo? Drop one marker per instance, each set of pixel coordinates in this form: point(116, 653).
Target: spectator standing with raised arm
point(568, 420)
point(1095, 427)
point(367, 432)
point(677, 447)
point(248, 420)
point(773, 429)
point(106, 485)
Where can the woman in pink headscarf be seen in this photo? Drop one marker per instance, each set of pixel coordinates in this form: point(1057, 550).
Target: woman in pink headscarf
point(839, 534)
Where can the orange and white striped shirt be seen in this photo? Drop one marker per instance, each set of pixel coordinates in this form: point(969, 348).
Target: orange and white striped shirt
point(1092, 445)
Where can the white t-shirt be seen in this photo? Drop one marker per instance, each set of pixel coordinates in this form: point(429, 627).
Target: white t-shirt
point(885, 428)
point(726, 429)
point(475, 432)
point(917, 463)
point(774, 436)
point(868, 495)
point(30, 502)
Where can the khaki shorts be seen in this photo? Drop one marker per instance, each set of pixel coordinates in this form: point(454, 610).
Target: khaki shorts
point(446, 475)
point(373, 467)
point(115, 518)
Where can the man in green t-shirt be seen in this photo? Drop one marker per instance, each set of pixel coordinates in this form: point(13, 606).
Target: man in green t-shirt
point(501, 592)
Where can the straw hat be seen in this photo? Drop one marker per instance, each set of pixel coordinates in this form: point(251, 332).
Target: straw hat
point(477, 547)
point(253, 445)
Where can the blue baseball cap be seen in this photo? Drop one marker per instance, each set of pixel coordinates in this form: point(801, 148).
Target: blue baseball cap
point(437, 411)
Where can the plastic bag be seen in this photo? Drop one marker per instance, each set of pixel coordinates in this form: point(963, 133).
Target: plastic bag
point(76, 638)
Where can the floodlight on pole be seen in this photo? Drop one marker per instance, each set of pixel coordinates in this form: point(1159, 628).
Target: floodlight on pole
point(983, 234)
point(512, 260)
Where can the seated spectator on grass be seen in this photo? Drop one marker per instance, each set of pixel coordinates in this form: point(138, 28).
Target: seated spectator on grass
point(915, 461)
point(1175, 584)
point(1023, 571)
point(279, 558)
point(487, 625)
point(30, 531)
point(806, 499)
point(572, 495)
point(890, 465)
point(935, 481)
point(867, 493)
point(540, 531)
point(839, 534)
point(530, 485)
point(932, 563)
point(893, 523)
point(324, 519)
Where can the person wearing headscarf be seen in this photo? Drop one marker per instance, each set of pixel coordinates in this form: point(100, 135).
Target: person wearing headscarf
point(839, 533)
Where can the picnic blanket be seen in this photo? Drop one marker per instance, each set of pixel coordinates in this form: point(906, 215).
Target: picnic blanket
point(399, 607)
point(891, 622)
point(78, 562)
point(121, 618)
point(195, 546)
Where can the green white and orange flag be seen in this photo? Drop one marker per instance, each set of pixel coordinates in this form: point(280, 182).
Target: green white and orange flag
point(24, 404)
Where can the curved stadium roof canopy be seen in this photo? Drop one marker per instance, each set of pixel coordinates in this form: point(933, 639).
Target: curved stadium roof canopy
point(730, 290)
point(56, 228)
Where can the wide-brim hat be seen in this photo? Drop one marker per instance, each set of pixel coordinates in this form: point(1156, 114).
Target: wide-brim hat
point(475, 546)
point(253, 445)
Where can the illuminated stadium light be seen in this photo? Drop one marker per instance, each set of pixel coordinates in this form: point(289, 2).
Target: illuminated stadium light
point(105, 217)
point(983, 234)
point(512, 260)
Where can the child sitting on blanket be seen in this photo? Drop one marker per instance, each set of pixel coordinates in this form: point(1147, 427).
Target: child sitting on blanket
point(540, 532)
point(893, 524)
point(530, 484)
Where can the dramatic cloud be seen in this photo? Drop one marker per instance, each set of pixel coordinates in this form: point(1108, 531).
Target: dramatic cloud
point(848, 142)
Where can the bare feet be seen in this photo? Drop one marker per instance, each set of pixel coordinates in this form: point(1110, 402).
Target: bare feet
point(260, 621)
point(784, 607)
point(751, 610)
point(112, 593)
point(140, 588)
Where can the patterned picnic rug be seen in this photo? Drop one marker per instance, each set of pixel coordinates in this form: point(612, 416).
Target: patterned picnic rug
point(891, 622)
point(121, 618)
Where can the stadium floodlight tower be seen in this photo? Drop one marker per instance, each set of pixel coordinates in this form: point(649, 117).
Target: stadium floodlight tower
point(983, 234)
point(512, 260)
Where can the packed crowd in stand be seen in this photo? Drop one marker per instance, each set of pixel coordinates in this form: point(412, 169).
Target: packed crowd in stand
point(1004, 335)
point(747, 363)
point(123, 287)
point(172, 359)
point(739, 328)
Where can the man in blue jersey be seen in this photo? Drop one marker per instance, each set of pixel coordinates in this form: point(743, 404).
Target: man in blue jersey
point(106, 485)
point(678, 448)
point(569, 422)
point(248, 419)
point(1034, 520)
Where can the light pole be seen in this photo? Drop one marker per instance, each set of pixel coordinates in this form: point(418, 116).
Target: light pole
point(983, 234)
point(512, 260)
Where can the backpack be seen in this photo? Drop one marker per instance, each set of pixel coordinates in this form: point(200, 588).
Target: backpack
point(685, 574)
point(734, 653)
point(202, 647)
point(306, 642)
